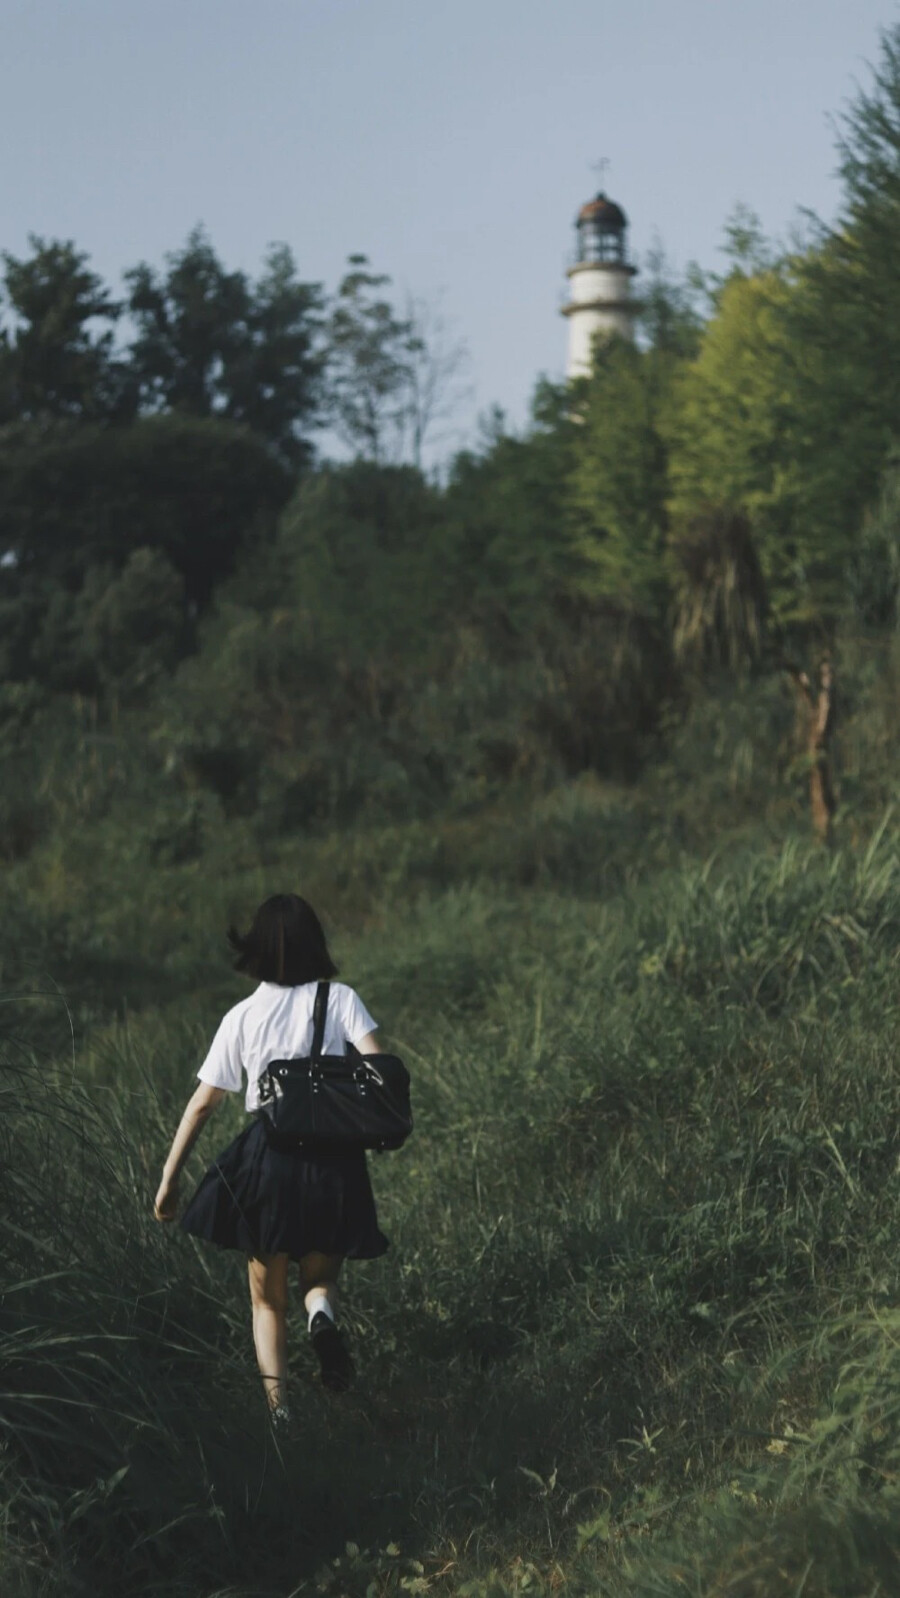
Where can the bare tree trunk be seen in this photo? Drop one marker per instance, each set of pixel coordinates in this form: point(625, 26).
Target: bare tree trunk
point(817, 713)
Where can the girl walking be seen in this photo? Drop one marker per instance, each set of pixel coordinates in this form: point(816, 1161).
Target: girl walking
point(277, 1205)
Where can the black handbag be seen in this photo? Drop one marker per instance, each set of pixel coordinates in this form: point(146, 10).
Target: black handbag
point(335, 1101)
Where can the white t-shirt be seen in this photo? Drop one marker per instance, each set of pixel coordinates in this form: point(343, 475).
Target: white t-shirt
point(276, 1023)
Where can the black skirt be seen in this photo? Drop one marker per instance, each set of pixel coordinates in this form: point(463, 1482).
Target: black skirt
point(263, 1200)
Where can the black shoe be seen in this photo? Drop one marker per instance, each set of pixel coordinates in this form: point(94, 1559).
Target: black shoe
point(334, 1358)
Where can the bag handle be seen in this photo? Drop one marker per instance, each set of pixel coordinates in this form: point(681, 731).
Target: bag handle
point(320, 1011)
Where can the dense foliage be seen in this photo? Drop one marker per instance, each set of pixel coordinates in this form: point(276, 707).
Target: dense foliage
point(523, 730)
point(706, 490)
point(636, 1326)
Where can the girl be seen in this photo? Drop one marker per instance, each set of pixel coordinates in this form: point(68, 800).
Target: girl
point(280, 1205)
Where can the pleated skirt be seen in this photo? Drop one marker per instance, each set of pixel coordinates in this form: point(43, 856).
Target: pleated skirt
point(264, 1200)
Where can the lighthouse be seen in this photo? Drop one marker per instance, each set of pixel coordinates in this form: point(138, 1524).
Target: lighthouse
point(600, 302)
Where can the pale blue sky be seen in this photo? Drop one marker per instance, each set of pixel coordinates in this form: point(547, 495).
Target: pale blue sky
point(451, 143)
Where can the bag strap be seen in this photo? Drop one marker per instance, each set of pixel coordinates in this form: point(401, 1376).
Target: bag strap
point(320, 1011)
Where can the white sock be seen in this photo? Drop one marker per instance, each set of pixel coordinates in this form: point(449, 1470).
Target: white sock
point(316, 1300)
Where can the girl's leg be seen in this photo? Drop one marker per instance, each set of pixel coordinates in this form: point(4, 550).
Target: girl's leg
point(268, 1298)
point(318, 1278)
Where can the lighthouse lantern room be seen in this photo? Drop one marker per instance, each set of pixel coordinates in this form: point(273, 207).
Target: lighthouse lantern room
point(600, 302)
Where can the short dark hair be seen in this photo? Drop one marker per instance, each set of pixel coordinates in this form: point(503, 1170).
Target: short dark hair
point(285, 943)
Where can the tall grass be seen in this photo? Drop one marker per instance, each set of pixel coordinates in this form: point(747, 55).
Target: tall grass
point(636, 1332)
point(636, 1329)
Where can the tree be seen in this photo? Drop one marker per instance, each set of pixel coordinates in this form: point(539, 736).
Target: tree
point(119, 634)
point(816, 718)
point(509, 535)
point(788, 412)
point(728, 428)
point(74, 497)
point(273, 381)
point(746, 246)
point(435, 368)
point(719, 592)
point(370, 355)
point(873, 577)
point(55, 361)
point(669, 317)
point(393, 378)
point(733, 438)
point(360, 552)
point(619, 483)
point(589, 666)
point(844, 334)
point(210, 343)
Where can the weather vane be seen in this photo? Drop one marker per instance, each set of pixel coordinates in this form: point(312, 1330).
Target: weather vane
point(600, 167)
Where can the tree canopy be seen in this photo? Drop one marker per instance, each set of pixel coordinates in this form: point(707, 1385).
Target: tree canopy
point(210, 343)
point(57, 358)
point(725, 480)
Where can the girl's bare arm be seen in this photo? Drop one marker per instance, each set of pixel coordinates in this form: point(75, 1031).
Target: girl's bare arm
point(199, 1109)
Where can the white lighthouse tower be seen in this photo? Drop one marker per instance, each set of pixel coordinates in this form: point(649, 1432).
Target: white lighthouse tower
point(600, 302)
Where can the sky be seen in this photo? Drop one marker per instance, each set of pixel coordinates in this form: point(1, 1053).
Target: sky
point(450, 143)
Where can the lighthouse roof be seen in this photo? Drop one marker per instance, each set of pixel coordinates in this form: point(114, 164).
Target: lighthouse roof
point(605, 213)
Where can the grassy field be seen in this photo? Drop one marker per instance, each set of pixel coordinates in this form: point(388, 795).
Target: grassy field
point(637, 1331)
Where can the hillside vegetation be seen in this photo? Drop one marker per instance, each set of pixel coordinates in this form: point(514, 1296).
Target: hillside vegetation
point(637, 1330)
point(531, 737)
